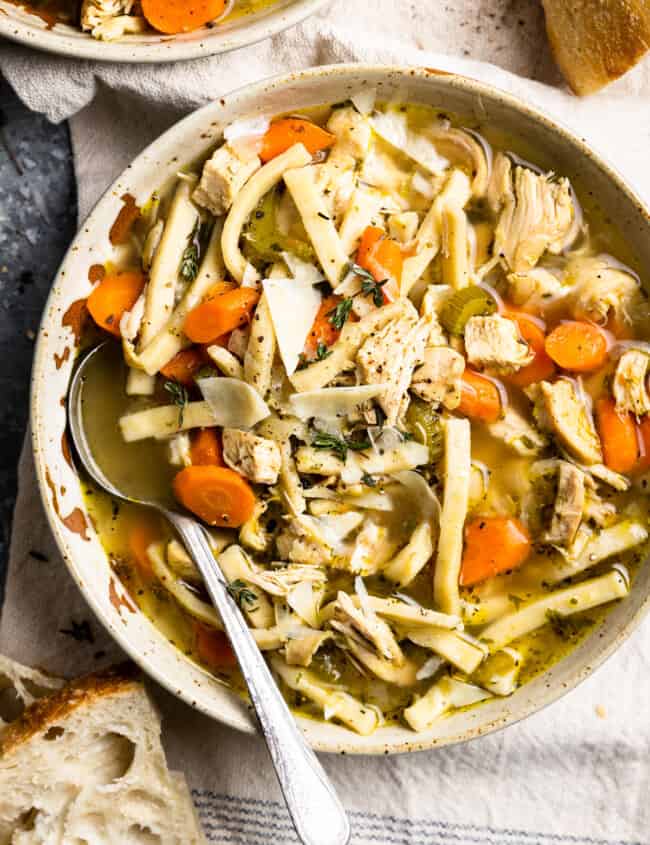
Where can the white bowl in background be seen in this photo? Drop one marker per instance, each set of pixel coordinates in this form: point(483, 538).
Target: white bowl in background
point(186, 141)
point(19, 24)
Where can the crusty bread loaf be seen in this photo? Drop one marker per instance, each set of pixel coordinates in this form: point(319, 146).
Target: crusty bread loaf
point(85, 766)
point(596, 41)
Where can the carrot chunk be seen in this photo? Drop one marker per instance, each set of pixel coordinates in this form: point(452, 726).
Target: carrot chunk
point(322, 332)
point(283, 134)
point(618, 436)
point(172, 18)
point(113, 296)
point(205, 449)
point(220, 314)
point(541, 367)
point(217, 495)
point(479, 397)
point(493, 545)
point(213, 648)
point(184, 366)
point(577, 346)
point(383, 258)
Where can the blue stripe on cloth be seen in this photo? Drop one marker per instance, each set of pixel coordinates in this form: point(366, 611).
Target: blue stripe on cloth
point(256, 821)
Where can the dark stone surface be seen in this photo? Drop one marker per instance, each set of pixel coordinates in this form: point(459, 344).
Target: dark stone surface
point(37, 221)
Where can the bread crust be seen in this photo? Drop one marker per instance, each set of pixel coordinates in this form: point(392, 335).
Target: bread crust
point(597, 41)
point(124, 678)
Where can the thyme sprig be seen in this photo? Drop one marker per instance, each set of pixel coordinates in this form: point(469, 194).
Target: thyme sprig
point(339, 445)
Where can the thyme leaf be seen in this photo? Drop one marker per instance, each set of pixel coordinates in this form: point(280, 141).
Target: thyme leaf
point(339, 315)
point(322, 352)
point(179, 398)
point(190, 260)
point(242, 594)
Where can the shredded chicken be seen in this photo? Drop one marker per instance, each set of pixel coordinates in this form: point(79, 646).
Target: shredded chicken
point(110, 19)
point(256, 458)
point(223, 177)
point(494, 342)
point(533, 289)
point(439, 378)
point(434, 298)
point(630, 383)
point(536, 214)
point(374, 630)
point(569, 505)
point(353, 132)
point(302, 542)
point(600, 291)
point(390, 356)
point(570, 421)
point(515, 431)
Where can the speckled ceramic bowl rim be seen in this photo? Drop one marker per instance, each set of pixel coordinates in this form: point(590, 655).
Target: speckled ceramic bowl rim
point(348, 742)
point(17, 25)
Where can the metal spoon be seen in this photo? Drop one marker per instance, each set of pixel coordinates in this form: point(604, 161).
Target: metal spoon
point(315, 809)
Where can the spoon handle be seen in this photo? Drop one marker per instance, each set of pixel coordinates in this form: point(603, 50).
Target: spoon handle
point(317, 813)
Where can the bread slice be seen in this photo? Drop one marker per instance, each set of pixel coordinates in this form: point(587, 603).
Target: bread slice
point(596, 41)
point(85, 766)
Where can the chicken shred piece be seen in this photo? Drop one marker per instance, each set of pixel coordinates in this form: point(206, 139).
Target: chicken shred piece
point(570, 421)
point(494, 342)
point(536, 214)
point(390, 356)
point(532, 289)
point(600, 291)
point(569, 505)
point(256, 458)
point(439, 378)
point(374, 630)
point(630, 383)
point(223, 177)
point(353, 133)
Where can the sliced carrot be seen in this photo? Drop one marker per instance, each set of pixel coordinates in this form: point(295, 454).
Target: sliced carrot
point(322, 330)
point(383, 258)
point(144, 531)
point(213, 648)
point(217, 495)
point(369, 239)
point(172, 18)
point(113, 296)
point(205, 449)
point(577, 346)
point(618, 436)
point(283, 134)
point(184, 366)
point(493, 545)
point(541, 367)
point(479, 397)
point(220, 314)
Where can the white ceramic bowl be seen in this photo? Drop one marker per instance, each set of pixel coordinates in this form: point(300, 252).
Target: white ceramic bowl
point(18, 24)
point(53, 364)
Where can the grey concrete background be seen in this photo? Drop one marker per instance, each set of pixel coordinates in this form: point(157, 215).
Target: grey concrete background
point(37, 221)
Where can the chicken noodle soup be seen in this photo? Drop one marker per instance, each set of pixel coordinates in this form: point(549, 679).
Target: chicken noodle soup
point(112, 20)
point(397, 371)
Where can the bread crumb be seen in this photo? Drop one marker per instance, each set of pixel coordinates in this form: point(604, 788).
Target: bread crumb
point(601, 712)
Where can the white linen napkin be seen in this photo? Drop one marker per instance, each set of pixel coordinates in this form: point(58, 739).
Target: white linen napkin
point(577, 773)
